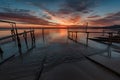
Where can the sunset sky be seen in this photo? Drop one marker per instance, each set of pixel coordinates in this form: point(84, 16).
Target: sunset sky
point(61, 12)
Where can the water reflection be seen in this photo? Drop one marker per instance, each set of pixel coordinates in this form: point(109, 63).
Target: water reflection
point(45, 37)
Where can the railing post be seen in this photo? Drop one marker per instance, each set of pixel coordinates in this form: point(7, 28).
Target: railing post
point(76, 36)
point(68, 34)
point(110, 38)
point(87, 39)
point(18, 40)
point(25, 38)
point(43, 35)
point(31, 34)
point(86, 27)
point(34, 39)
point(103, 33)
point(13, 35)
point(110, 43)
point(72, 35)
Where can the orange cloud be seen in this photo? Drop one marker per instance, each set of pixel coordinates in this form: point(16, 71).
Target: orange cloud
point(61, 19)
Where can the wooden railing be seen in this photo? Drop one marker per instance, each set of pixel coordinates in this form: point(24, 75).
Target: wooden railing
point(16, 36)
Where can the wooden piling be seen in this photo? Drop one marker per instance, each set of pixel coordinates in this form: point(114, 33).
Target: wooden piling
point(43, 35)
point(110, 43)
point(18, 39)
point(76, 36)
point(25, 38)
point(87, 39)
point(72, 35)
point(103, 33)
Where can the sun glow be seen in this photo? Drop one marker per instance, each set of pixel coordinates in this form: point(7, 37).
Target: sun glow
point(64, 20)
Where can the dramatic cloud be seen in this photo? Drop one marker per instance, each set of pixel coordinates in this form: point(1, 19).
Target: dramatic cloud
point(94, 16)
point(22, 15)
point(69, 12)
point(65, 12)
point(82, 6)
point(110, 19)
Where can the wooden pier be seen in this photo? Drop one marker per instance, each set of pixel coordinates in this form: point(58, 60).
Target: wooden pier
point(16, 37)
point(111, 39)
point(58, 61)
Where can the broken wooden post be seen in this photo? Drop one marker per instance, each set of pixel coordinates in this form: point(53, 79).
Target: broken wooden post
point(72, 35)
point(13, 34)
point(110, 43)
point(76, 37)
point(43, 35)
point(25, 38)
point(34, 39)
point(86, 27)
point(110, 38)
point(87, 39)
point(31, 34)
point(18, 39)
point(68, 34)
point(103, 33)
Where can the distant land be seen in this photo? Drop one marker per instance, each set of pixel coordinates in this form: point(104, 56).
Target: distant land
point(116, 27)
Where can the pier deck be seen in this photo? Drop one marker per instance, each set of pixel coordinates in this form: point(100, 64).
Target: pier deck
point(62, 61)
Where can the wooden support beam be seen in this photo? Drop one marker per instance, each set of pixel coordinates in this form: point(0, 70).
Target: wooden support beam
point(87, 39)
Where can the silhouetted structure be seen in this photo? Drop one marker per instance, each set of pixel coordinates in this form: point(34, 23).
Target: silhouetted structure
point(25, 38)
point(33, 41)
point(13, 24)
point(13, 34)
point(43, 35)
point(1, 52)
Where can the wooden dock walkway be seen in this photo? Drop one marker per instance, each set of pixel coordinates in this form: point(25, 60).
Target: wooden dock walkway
point(63, 61)
point(57, 61)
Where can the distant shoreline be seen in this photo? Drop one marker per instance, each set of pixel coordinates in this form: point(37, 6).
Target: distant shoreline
point(78, 27)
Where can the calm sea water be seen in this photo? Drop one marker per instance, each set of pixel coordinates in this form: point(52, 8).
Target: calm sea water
point(50, 36)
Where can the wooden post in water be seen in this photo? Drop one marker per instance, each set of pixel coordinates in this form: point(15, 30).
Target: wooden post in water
point(110, 44)
point(87, 39)
point(86, 27)
point(103, 33)
point(110, 38)
point(76, 36)
point(18, 39)
point(25, 38)
point(31, 38)
point(34, 39)
point(68, 32)
point(13, 33)
point(72, 35)
point(43, 35)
